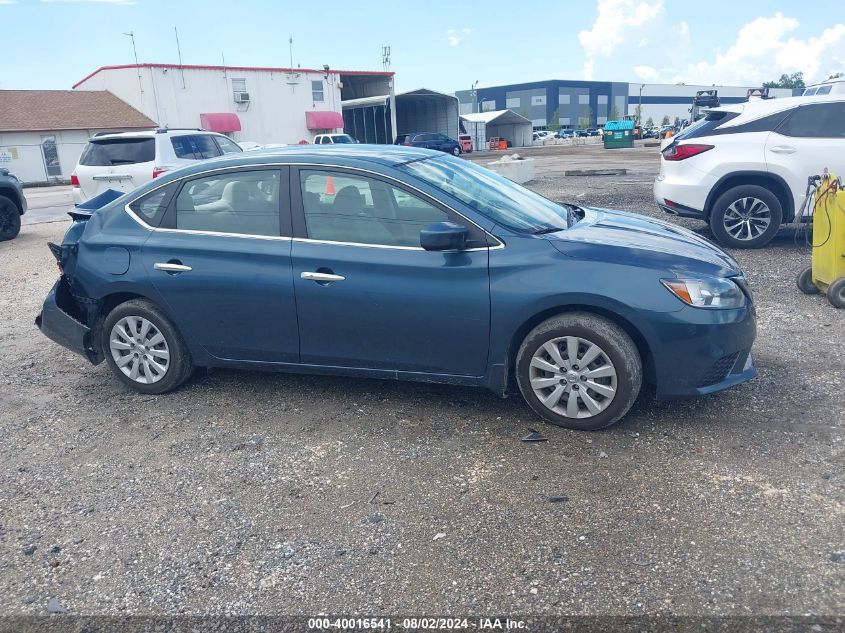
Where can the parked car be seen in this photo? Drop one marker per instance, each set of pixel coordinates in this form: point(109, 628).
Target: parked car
point(593, 132)
point(474, 280)
point(12, 205)
point(125, 160)
point(430, 140)
point(744, 167)
point(466, 143)
point(581, 133)
point(330, 139)
point(567, 134)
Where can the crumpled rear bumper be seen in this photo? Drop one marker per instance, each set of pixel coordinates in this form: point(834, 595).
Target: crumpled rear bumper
point(60, 320)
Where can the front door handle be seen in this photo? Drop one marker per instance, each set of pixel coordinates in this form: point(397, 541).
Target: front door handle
point(170, 267)
point(323, 277)
point(782, 149)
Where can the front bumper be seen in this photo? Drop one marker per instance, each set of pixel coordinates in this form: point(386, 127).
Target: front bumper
point(61, 321)
point(699, 351)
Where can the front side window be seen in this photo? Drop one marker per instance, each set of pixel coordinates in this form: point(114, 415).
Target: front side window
point(491, 195)
point(341, 207)
point(316, 91)
point(818, 120)
point(227, 146)
point(243, 202)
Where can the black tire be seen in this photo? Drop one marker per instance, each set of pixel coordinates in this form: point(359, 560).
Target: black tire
point(180, 366)
point(616, 345)
point(10, 219)
point(456, 151)
point(836, 293)
point(805, 282)
point(735, 195)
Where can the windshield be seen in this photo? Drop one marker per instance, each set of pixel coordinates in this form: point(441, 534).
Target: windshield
point(492, 195)
point(343, 138)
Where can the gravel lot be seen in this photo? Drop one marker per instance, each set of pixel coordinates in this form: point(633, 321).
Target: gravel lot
point(248, 493)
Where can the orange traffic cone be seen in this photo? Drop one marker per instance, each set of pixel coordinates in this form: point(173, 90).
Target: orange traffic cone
point(330, 186)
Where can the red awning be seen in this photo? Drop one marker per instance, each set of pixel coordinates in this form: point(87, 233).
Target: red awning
point(323, 120)
point(220, 122)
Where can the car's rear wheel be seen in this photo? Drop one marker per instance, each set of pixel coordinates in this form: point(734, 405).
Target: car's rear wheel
point(456, 151)
point(144, 349)
point(10, 219)
point(747, 216)
point(579, 371)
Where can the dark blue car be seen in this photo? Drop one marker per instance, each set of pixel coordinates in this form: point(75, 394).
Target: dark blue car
point(402, 264)
point(430, 140)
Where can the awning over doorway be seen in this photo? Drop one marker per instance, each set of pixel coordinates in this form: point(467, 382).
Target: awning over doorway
point(322, 120)
point(224, 122)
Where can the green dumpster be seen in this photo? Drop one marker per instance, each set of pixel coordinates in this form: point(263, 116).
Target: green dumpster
point(619, 134)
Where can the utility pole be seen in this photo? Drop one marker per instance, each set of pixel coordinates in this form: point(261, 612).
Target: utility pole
point(640, 106)
point(131, 36)
point(179, 52)
point(290, 49)
point(385, 57)
point(473, 95)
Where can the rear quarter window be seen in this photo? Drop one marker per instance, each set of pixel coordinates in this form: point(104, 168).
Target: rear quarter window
point(195, 146)
point(124, 151)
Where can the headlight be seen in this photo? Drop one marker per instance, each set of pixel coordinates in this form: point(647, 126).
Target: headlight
point(706, 293)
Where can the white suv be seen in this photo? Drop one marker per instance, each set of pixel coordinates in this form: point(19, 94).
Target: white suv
point(126, 160)
point(744, 168)
point(331, 139)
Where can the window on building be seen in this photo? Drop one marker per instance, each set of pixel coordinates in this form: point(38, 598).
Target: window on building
point(245, 202)
point(317, 90)
point(238, 87)
point(565, 120)
point(363, 211)
point(602, 99)
point(584, 99)
point(563, 99)
point(538, 100)
point(513, 102)
point(488, 106)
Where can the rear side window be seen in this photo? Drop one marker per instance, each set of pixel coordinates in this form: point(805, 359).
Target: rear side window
point(151, 207)
point(707, 125)
point(123, 151)
point(824, 90)
point(194, 146)
point(818, 120)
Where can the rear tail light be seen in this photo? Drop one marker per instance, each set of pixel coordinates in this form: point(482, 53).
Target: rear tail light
point(74, 180)
point(407, 144)
point(682, 152)
point(158, 171)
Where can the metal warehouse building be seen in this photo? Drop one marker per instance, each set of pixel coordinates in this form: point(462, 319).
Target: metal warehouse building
point(593, 103)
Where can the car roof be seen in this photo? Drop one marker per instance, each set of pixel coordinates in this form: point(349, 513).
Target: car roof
point(763, 107)
point(151, 133)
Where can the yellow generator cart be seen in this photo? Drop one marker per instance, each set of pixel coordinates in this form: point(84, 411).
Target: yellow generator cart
point(827, 272)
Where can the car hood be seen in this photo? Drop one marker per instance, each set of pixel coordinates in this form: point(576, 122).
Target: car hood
point(630, 238)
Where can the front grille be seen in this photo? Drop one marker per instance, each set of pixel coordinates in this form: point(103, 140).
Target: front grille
point(719, 371)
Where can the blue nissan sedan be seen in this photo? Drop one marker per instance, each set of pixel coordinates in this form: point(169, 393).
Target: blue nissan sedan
point(403, 264)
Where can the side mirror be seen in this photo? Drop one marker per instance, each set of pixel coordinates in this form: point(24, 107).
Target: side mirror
point(444, 236)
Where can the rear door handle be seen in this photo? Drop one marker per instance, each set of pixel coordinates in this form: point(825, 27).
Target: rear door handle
point(782, 149)
point(322, 277)
point(169, 267)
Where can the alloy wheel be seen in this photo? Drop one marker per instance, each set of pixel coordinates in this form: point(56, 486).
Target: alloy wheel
point(747, 219)
point(139, 349)
point(573, 377)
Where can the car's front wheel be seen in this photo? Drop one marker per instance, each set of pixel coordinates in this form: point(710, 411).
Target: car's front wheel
point(579, 371)
point(747, 216)
point(144, 349)
point(10, 219)
point(456, 151)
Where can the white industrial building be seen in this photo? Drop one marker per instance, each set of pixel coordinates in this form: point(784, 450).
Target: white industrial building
point(43, 132)
point(265, 105)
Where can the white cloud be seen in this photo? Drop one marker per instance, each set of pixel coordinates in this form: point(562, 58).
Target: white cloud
point(8, 2)
point(617, 21)
point(646, 73)
point(764, 50)
point(456, 36)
